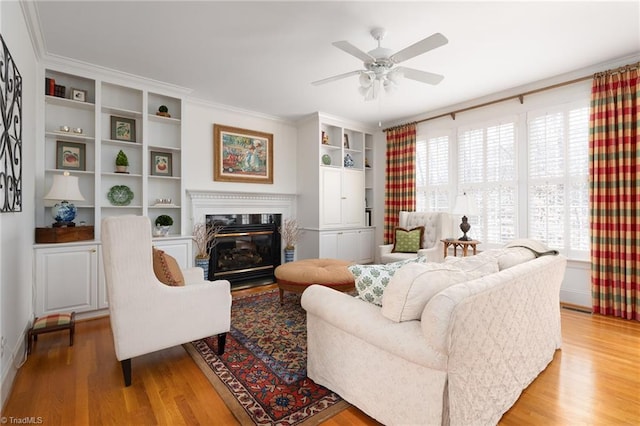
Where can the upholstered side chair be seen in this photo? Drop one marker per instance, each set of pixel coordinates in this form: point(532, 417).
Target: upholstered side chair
point(147, 315)
point(437, 226)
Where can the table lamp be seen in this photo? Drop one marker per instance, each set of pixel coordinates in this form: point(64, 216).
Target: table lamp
point(64, 189)
point(465, 205)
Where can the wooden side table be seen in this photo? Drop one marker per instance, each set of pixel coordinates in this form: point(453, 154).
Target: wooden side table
point(464, 245)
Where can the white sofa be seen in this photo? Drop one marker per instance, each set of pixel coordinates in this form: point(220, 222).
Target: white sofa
point(476, 346)
point(437, 226)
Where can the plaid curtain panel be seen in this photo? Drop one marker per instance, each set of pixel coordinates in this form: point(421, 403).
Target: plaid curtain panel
point(614, 196)
point(400, 183)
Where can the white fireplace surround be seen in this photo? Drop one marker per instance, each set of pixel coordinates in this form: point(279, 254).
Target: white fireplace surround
point(205, 203)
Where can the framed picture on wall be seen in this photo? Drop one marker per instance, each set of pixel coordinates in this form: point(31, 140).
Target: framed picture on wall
point(79, 95)
point(70, 156)
point(241, 155)
point(123, 129)
point(161, 163)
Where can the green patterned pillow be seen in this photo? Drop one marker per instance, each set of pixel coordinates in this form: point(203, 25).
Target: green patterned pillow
point(408, 241)
point(371, 280)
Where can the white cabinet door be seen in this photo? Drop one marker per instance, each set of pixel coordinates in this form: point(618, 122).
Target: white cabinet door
point(66, 279)
point(348, 245)
point(353, 198)
point(179, 249)
point(331, 197)
point(328, 245)
point(365, 245)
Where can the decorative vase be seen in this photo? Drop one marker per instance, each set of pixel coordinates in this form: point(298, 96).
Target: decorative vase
point(203, 262)
point(288, 254)
point(348, 161)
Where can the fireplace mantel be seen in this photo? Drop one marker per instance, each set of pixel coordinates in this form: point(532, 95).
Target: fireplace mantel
point(226, 202)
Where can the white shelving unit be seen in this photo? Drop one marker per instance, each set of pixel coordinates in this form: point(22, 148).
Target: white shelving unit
point(333, 179)
point(153, 134)
point(69, 276)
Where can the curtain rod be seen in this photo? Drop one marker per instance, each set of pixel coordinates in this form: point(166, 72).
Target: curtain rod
point(521, 96)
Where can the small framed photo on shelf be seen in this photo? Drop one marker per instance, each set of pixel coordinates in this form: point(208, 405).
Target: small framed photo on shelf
point(70, 156)
point(123, 129)
point(78, 95)
point(346, 141)
point(161, 163)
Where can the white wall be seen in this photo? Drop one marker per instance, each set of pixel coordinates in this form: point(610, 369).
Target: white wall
point(198, 120)
point(17, 229)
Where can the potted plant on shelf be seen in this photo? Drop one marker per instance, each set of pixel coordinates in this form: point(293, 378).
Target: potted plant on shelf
point(205, 240)
point(290, 233)
point(163, 111)
point(163, 224)
point(122, 162)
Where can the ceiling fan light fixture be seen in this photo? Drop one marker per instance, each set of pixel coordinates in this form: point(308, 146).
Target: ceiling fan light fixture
point(365, 91)
point(395, 75)
point(390, 85)
point(366, 79)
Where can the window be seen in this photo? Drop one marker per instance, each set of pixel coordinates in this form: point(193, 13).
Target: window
point(558, 178)
point(487, 171)
point(432, 174)
point(526, 165)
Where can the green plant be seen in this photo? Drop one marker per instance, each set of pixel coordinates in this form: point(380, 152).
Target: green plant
point(121, 159)
point(163, 108)
point(164, 220)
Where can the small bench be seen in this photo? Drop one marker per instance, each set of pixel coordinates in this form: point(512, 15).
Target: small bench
point(297, 276)
point(49, 323)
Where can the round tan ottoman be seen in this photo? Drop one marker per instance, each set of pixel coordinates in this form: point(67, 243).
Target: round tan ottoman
point(297, 276)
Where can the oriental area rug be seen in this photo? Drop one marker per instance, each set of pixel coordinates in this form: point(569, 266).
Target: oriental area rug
point(262, 375)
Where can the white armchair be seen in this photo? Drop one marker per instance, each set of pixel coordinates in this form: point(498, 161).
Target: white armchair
point(147, 315)
point(437, 226)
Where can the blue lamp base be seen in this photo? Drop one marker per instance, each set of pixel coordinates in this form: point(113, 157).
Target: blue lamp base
point(64, 213)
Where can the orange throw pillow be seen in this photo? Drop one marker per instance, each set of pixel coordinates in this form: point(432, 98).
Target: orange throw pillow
point(166, 268)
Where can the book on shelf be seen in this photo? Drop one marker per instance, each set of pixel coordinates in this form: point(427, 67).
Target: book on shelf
point(49, 86)
point(53, 89)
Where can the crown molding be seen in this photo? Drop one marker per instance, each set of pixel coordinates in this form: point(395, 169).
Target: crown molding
point(215, 105)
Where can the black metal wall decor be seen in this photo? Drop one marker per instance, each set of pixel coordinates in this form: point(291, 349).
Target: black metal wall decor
point(11, 129)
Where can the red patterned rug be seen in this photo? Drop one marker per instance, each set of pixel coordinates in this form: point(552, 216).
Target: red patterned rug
point(262, 375)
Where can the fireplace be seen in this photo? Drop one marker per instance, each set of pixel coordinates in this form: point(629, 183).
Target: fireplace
point(247, 249)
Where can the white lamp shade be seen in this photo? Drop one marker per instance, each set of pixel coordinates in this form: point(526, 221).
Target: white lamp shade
point(64, 188)
point(465, 205)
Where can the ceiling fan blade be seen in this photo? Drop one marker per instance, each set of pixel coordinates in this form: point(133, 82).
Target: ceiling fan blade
point(354, 51)
point(420, 47)
point(336, 77)
point(422, 76)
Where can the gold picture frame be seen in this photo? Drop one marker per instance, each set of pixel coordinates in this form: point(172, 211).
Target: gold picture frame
point(241, 155)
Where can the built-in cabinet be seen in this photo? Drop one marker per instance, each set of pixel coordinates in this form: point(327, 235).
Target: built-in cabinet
point(335, 181)
point(66, 278)
point(80, 136)
point(70, 277)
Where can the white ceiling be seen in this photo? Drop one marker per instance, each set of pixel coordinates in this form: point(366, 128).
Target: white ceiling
point(262, 56)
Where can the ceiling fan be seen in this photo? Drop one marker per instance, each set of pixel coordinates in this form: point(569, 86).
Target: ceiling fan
point(380, 64)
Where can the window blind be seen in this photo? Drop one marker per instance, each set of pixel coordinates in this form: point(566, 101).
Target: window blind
point(558, 178)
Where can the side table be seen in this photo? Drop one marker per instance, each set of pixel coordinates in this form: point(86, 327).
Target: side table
point(464, 245)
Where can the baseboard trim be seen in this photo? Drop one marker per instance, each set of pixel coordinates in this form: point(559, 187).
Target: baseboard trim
point(574, 307)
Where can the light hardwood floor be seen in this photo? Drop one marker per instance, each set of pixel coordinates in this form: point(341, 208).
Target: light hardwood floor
point(593, 380)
